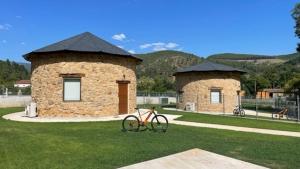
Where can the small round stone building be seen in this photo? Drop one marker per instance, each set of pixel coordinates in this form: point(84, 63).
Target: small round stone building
point(83, 76)
point(208, 87)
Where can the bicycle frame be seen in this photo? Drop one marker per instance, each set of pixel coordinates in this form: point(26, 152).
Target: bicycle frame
point(150, 112)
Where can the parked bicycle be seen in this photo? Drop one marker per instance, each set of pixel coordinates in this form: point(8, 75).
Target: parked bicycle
point(133, 123)
point(238, 111)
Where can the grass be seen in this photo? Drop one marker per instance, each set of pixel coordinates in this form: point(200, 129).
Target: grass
point(103, 145)
point(233, 121)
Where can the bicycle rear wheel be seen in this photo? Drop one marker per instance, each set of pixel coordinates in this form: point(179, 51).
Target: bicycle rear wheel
point(235, 112)
point(131, 123)
point(159, 123)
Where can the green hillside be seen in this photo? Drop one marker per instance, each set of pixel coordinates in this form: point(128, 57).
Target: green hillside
point(165, 63)
point(10, 72)
point(26, 65)
point(235, 56)
point(155, 72)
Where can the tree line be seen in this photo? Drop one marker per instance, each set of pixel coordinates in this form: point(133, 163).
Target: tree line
point(10, 72)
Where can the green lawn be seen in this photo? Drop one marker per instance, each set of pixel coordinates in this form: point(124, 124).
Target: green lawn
point(233, 120)
point(103, 145)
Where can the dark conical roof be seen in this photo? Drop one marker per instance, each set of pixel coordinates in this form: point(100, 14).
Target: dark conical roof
point(209, 67)
point(85, 42)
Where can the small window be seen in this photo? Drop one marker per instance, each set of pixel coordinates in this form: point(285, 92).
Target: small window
point(72, 91)
point(215, 96)
point(180, 96)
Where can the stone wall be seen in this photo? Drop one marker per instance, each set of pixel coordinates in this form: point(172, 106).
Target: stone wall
point(196, 88)
point(99, 89)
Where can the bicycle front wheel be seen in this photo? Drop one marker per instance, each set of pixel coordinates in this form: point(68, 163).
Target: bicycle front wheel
point(242, 113)
point(159, 123)
point(131, 123)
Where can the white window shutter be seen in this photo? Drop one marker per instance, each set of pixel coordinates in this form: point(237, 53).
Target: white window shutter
point(72, 89)
point(215, 96)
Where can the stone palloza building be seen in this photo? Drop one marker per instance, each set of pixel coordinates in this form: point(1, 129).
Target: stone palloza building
point(83, 76)
point(208, 87)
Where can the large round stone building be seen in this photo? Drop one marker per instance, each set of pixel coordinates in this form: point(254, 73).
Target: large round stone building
point(208, 87)
point(83, 76)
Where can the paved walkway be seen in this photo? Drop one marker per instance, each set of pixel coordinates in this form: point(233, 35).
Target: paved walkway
point(194, 159)
point(235, 128)
point(247, 112)
point(20, 116)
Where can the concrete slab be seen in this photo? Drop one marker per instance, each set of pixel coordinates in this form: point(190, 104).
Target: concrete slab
point(20, 116)
point(194, 159)
point(236, 128)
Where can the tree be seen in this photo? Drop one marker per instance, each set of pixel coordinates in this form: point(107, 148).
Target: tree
point(145, 84)
point(163, 84)
point(296, 16)
point(293, 85)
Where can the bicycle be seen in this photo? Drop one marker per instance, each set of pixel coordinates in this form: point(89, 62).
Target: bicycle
point(133, 123)
point(238, 111)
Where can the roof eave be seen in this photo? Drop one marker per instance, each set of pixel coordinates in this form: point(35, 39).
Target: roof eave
point(238, 71)
point(26, 56)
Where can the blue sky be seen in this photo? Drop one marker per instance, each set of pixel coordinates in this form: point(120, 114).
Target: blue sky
point(197, 26)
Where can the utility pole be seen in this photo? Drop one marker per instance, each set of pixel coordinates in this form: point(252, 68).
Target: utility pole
point(298, 108)
point(255, 91)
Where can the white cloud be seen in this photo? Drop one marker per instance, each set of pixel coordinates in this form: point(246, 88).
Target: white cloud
point(158, 46)
point(23, 43)
point(4, 41)
point(144, 46)
point(132, 51)
point(5, 26)
point(122, 47)
point(171, 45)
point(119, 37)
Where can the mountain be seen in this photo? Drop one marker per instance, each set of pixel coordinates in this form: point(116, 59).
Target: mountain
point(165, 63)
point(235, 56)
point(253, 57)
point(10, 72)
point(26, 65)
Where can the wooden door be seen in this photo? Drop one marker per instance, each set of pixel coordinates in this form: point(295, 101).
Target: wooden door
point(123, 98)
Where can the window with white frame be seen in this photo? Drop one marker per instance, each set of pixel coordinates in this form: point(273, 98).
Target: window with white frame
point(215, 96)
point(180, 96)
point(72, 89)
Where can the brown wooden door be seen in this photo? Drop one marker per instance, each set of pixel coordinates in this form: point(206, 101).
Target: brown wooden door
point(123, 98)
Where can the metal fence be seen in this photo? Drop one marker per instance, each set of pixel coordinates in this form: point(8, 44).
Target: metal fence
point(254, 108)
point(156, 94)
point(272, 108)
point(156, 98)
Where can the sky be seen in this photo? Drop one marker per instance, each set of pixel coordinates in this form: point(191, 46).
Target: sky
point(201, 27)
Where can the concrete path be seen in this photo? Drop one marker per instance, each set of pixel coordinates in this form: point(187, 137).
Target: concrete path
point(20, 116)
point(194, 159)
point(235, 128)
point(247, 112)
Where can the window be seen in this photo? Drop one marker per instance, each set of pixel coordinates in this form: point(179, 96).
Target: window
point(180, 96)
point(72, 91)
point(215, 96)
